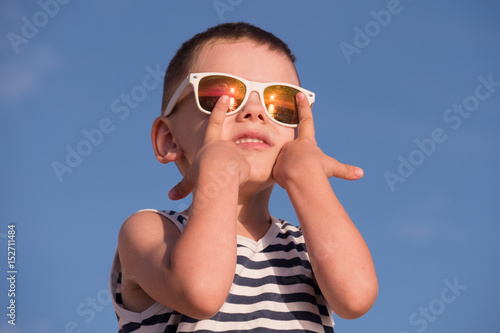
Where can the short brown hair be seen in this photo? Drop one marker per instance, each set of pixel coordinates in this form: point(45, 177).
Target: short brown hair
point(181, 62)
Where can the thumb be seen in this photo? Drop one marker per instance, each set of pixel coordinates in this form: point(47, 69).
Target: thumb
point(181, 190)
point(337, 169)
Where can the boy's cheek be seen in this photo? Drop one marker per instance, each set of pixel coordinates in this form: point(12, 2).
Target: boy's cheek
point(289, 135)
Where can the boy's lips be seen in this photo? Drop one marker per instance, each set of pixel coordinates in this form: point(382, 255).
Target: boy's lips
point(252, 139)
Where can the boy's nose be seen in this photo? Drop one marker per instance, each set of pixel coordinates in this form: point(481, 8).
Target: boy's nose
point(253, 109)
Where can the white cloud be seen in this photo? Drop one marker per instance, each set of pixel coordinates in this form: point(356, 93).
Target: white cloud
point(415, 230)
point(422, 219)
point(23, 74)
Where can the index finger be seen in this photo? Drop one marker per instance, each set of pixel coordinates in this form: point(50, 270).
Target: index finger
point(216, 119)
point(306, 123)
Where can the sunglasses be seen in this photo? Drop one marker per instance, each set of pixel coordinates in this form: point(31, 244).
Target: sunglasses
point(278, 99)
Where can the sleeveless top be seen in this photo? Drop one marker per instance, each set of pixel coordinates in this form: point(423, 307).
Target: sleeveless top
point(274, 290)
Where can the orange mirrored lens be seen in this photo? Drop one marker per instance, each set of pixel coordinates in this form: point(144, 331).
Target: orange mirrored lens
point(211, 88)
point(280, 103)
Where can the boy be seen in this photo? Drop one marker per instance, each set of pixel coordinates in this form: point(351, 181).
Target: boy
point(226, 264)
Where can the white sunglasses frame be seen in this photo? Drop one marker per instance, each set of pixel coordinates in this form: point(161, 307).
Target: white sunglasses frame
point(194, 80)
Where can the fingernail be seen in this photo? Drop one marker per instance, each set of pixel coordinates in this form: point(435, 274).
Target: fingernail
point(172, 194)
point(224, 98)
point(359, 172)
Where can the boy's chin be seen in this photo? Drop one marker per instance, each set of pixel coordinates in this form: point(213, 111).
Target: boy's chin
point(260, 174)
point(259, 181)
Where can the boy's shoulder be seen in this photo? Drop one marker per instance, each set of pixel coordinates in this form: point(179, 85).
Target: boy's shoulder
point(147, 228)
point(154, 219)
point(288, 228)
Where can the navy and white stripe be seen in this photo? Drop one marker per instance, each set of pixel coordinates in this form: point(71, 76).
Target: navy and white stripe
point(273, 290)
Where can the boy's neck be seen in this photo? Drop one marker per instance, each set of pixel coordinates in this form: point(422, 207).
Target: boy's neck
point(254, 219)
point(253, 214)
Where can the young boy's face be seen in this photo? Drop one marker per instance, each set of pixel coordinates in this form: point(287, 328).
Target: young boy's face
point(252, 62)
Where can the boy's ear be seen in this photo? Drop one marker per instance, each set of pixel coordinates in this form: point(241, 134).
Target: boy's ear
point(164, 144)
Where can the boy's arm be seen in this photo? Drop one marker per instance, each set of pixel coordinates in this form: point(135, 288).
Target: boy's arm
point(192, 273)
point(339, 256)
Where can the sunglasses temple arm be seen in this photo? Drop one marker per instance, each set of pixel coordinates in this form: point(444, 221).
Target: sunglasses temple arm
point(311, 97)
point(175, 97)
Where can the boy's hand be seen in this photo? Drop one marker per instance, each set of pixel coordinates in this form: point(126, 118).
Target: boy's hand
point(216, 156)
point(302, 156)
point(340, 259)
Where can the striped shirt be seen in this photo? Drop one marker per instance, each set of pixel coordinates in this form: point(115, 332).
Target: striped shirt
point(273, 290)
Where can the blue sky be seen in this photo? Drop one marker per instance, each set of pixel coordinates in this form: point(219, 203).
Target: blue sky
point(413, 98)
